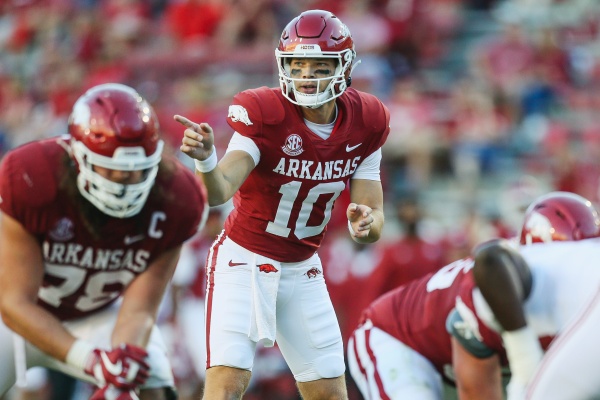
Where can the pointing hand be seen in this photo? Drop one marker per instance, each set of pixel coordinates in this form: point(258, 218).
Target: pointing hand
point(198, 139)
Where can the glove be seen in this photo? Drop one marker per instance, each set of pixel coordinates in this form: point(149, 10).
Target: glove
point(110, 392)
point(124, 367)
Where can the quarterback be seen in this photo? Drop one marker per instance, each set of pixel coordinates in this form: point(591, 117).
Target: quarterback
point(294, 150)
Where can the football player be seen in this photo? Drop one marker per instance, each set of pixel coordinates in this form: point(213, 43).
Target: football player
point(294, 150)
point(551, 289)
point(91, 228)
point(411, 337)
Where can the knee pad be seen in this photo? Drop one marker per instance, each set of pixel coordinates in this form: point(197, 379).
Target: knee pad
point(329, 366)
point(237, 356)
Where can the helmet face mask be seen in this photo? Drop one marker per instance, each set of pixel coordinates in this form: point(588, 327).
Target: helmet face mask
point(113, 127)
point(315, 34)
point(559, 216)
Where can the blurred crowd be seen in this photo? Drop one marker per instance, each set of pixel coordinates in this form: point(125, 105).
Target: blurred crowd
point(492, 104)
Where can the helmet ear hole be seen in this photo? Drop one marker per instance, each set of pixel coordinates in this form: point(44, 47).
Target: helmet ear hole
point(348, 81)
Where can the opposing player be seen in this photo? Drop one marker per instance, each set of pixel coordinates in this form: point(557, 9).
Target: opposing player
point(411, 337)
point(294, 150)
point(545, 290)
point(91, 228)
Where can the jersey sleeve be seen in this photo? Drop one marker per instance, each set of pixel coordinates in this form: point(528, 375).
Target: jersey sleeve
point(461, 331)
point(239, 142)
point(369, 168)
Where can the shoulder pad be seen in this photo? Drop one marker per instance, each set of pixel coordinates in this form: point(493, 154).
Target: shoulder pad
point(30, 174)
point(374, 113)
point(262, 103)
point(186, 189)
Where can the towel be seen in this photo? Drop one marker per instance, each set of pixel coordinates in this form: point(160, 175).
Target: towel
point(265, 284)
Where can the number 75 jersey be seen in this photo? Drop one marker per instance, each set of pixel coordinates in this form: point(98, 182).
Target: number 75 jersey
point(282, 209)
point(85, 270)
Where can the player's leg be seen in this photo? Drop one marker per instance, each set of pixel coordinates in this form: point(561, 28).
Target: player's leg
point(385, 368)
point(230, 352)
point(308, 333)
point(226, 382)
point(570, 367)
point(334, 389)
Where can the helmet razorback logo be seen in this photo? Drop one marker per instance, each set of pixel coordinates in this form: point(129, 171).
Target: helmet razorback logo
point(267, 268)
point(313, 272)
point(239, 113)
point(293, 145)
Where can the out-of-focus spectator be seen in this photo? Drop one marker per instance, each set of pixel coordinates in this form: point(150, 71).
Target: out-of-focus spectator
point(479, 133)
point(372, 37)
point(126, 20)
point(505, 61)
point(194, 21)
point(249, 23)
point(414, 136)
point(579, 171)
point(515, 196)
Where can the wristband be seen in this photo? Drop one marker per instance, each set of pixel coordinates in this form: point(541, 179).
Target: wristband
point(350, 228)
point(79, 354)
point(209, 164)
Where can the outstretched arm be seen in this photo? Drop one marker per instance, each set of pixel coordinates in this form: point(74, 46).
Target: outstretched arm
point(222, 180)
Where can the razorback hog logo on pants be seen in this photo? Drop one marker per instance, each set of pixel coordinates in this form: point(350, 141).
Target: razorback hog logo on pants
point(267, 268)
point(313, 272)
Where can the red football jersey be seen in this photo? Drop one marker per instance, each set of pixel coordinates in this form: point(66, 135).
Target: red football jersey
point(85, 272)
point(416, 313)
point(282, 209)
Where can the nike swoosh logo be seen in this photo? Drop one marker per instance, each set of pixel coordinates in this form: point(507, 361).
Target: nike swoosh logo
point(350, 148)
point(232, 264)
point(132, 239)
point(113, 369)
